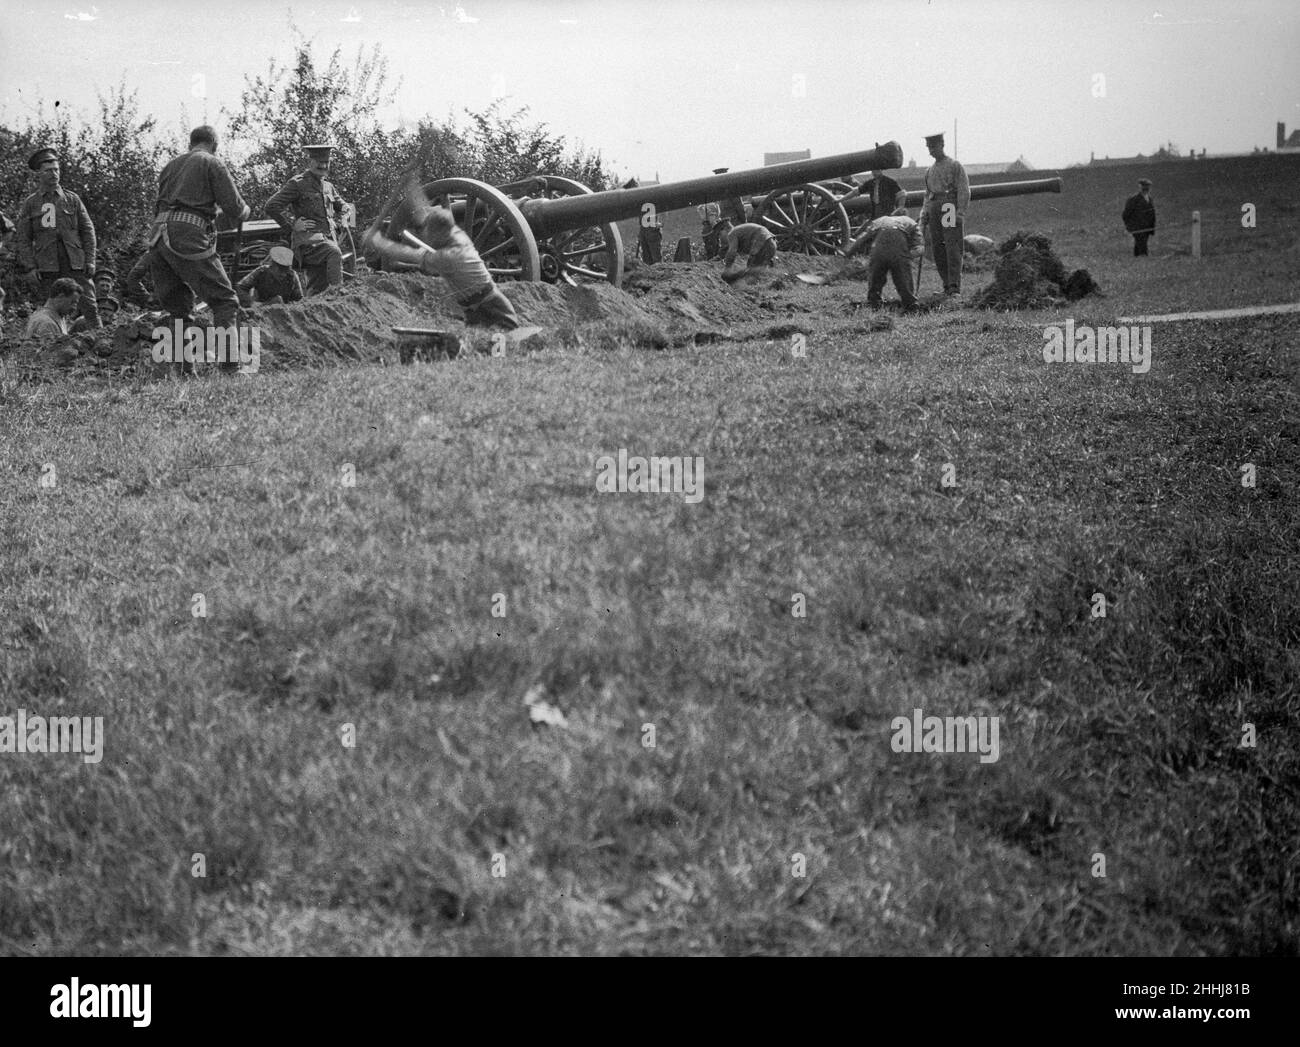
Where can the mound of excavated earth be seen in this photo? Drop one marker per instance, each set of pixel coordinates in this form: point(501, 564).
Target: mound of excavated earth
point(660, 305)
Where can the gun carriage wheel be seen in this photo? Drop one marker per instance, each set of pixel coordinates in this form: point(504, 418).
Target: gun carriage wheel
point(806, 219)
point(490, 218)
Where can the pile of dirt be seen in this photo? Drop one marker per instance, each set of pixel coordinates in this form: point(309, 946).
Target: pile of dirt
point(1029, 275)
point(657, 306)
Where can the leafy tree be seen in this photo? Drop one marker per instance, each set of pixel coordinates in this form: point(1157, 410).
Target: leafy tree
point(293, 105)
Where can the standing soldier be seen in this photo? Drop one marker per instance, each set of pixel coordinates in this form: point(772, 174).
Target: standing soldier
point(1140, 217)
point(885, 194)
point(943, 211)
point(183, 243)
point(710, 220)
point(55, 236)
point(308, 208)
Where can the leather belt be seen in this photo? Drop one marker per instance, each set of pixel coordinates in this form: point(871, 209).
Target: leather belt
point(186, 217)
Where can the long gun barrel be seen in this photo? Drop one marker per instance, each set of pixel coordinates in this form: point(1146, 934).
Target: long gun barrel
point(547, 217)
point(991, 191)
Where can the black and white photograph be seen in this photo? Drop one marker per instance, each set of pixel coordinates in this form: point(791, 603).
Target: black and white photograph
point(651, 478)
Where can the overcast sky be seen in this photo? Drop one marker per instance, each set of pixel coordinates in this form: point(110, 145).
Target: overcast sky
point(682, 86)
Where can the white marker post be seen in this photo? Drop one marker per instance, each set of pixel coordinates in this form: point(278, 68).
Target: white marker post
point(1196, 235)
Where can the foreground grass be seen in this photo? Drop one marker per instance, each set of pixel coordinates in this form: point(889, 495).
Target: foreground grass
point(330, 605)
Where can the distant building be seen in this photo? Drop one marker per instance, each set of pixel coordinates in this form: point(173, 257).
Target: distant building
point(1283, 142)
point(1017, 166)
point(785, 158)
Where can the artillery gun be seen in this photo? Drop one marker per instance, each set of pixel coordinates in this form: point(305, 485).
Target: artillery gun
point(557, 230)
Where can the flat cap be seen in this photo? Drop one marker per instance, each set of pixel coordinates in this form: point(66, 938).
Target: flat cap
point(1145, 181)
point(41, 156)
point(105, 270)
point(318, 147)
point(280, 255)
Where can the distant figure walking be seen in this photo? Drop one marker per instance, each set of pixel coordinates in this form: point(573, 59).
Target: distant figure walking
point(1140, 217)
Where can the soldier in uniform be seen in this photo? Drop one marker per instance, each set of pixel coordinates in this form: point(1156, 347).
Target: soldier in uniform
point(55, 237)
point(50, 321)
point(183, 243)
point(1140, 217)
point(450, 254)
point(885, 194)
point(105, 284)
point(710, 220)
point(755, 241)
point(893, 241)
point(274, 281)
point(308, 207)
point(943, 213)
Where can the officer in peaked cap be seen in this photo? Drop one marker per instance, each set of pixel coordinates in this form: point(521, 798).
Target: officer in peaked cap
point(55, 237)
point(943, 213)
point(309, 208)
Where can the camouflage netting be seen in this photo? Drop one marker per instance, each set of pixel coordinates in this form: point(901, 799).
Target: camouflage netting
point(1030, 276)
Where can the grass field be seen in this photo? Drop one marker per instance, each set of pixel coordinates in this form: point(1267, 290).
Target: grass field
point(771, 814)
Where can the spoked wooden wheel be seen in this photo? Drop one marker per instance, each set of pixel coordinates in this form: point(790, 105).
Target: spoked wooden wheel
point(574, 256)
point(806, 219)
point(490, 218)
point(858, 220)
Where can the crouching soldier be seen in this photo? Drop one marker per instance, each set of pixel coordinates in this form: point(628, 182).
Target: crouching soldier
point(756, 241)
point(273, 282)
point(892, 243)
point(451, 255)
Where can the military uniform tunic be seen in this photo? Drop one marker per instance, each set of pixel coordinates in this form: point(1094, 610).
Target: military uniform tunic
point(310, 197)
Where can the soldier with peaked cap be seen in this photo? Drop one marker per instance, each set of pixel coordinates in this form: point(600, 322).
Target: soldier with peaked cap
point(55, 237)
point(274, 281)
point(182, 242)
point(308, 207)
point(1140, 217)
point(943, 212)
